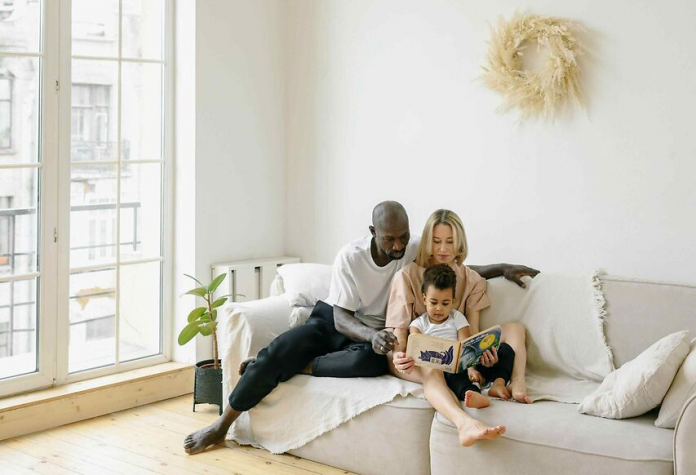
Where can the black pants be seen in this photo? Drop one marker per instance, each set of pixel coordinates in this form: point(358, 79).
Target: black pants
point(459, 383)
point(332, 355)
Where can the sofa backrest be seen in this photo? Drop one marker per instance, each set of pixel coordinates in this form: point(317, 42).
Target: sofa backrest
point(639, 312)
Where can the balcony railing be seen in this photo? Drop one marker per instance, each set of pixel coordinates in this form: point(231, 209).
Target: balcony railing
point(86, 151)
point(8, 259)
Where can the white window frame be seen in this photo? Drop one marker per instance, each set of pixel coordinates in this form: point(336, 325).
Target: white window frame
point(54, 206)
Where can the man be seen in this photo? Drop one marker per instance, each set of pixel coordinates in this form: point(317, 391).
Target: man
point(344, 337)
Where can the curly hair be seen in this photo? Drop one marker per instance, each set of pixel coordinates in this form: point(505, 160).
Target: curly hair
point(441, 276)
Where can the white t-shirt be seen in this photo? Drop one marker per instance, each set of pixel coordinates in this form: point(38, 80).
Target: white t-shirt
point(359, 285)
point(447, 329)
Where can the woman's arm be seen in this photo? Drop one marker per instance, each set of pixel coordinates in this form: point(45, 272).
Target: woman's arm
point(474, 320)
point(463, 333)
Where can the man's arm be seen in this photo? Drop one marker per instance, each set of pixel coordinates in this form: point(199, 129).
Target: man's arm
point(511, 272)
point(346, 323)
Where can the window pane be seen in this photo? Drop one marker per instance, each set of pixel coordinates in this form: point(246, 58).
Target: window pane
point(18, 220)
point(142, 29)
point(139, 325)
point(18, 333)
point(141, 119)
point(95, 28)
point(94, 111)
point(92, 319)
point(141, 212)
point(19, 109)
point(93, 191)
point(20, 24)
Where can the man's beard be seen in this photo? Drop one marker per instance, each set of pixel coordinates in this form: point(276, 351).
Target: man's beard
point(396, 255)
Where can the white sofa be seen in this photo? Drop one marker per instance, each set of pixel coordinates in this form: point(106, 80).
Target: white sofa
point(546, 437)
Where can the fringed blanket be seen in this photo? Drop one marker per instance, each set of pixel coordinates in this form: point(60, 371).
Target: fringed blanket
point(567, 359)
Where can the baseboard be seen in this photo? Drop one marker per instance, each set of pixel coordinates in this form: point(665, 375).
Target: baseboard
point(20, 415)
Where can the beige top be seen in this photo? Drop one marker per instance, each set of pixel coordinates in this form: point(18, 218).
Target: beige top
point(406, 296)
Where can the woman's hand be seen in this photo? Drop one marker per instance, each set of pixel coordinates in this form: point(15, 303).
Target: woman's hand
point(489, 358)
point(475, 376)
point(402, 363)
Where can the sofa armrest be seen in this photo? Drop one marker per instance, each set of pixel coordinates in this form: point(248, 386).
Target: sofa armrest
point(685, 438)
point(244, 329)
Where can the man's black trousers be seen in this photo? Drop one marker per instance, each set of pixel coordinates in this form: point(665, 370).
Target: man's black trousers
point(332, 355)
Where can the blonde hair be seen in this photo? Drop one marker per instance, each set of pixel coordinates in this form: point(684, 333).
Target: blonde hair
point(450, 218)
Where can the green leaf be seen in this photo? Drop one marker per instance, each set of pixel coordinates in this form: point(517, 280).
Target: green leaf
point(206, 330)
point(219, 302)
point(216, 283)
point(188, 332)
point(200, 292)
point(196, 313)
point(205, 318)
point(214, 315)
point(197, 281)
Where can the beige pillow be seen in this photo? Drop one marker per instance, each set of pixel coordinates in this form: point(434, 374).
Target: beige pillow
point(683, 386)
point(641, 384)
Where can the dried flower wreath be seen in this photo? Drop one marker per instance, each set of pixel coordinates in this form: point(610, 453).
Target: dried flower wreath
point(539, 93)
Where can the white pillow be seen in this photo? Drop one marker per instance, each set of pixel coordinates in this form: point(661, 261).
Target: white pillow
point(305, 283)
point(641, 384)
point(683, 387)
point(299, 315)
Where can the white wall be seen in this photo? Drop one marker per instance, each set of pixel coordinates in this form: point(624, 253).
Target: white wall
point(384, 103)
point(230, 185)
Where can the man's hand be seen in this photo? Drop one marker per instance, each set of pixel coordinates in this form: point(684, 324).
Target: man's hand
point(383, 342)
point(515, 273)
point(402, 363)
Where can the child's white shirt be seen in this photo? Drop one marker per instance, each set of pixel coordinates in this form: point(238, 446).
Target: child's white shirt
point(447, 329)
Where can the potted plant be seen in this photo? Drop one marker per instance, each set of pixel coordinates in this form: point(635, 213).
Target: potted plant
point(203, 320)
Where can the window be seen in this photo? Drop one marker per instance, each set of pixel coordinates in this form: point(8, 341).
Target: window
point(105, 271)
point(5, 112)
point(91, 106)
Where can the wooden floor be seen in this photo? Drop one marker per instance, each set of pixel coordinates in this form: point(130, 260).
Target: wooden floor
point(146, 439)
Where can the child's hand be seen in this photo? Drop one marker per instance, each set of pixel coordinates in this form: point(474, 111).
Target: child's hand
point(402, 363)
point(475, 376)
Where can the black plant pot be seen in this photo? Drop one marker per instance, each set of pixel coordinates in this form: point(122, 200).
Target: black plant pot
point(208, 386)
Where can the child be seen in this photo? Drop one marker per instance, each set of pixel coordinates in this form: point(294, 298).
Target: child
point(443, 321)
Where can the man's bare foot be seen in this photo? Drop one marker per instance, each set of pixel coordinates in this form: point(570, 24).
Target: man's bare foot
point(518, 389)
point(243, 365)
point(202, 439)
point(475, 400)
point(471, 431)
point(499, 390)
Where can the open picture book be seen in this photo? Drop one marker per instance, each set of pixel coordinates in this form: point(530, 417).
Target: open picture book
point(451, 356)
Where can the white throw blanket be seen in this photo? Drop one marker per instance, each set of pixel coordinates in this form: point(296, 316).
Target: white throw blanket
point(567, 359)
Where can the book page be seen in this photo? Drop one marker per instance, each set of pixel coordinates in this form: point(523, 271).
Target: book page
point(433, 352)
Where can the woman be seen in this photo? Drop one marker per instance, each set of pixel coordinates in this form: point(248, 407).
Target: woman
point(444, 242)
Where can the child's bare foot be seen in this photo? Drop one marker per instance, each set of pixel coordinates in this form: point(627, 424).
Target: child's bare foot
point(499, 390)
point(518, 389)
point(243, 365)
point(475, 400)
point(471, 431)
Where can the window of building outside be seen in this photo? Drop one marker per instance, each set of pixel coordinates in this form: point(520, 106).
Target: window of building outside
point(113, 303)
point(5, 112)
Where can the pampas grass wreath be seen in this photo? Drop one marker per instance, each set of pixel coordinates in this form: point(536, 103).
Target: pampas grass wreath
point(542, 93)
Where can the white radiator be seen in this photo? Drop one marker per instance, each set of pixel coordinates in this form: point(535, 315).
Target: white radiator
point(251, 278)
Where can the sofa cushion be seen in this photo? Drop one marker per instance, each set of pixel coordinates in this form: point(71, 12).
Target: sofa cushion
point(304, 284)
point(561, 427)
point(683, 387)
point(640, 385)
point(391, 438)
